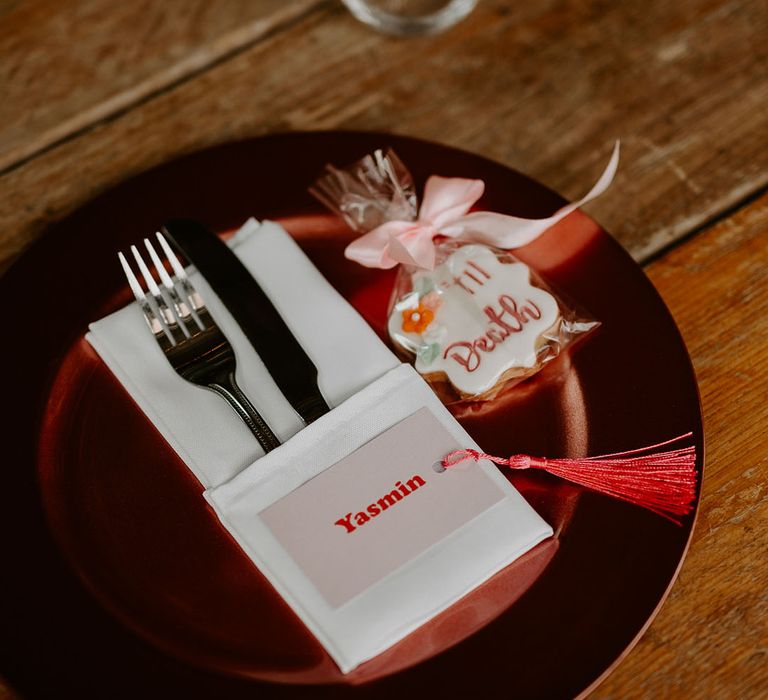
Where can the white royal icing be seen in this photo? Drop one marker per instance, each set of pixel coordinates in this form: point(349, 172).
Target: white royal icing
point(473, 318)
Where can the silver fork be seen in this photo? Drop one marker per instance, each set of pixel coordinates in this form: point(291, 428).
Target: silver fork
point(188, 336)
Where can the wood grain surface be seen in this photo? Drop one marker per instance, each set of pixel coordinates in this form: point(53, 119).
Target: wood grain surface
point(544, 87)
point(68, 64)
point(710, 639)
point(96, 91)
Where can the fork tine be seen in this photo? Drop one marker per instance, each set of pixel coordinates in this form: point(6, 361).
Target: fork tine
point(180, 307)
point(154, 291)
point(154, 322)
point(138, 292)
point(190, 293)
point(165, 278)
point(178, 268)
point(207, 358)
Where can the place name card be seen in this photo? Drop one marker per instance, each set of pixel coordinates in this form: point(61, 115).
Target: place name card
point(379, 508)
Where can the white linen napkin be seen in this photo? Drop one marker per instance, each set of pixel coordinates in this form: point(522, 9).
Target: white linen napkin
point(198, 424)
point(371, 391)
point(415, 592)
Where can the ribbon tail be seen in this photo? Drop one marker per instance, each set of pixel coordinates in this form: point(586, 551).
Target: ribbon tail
point(504, 231)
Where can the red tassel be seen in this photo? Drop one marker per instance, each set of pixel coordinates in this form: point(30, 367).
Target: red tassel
point(663, 482)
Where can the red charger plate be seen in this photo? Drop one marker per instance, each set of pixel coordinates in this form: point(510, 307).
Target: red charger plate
point(120, 580)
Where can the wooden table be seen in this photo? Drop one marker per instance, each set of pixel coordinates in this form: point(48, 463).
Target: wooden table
point(95, 91)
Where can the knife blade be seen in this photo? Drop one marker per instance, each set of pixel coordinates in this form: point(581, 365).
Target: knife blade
point(285, 359)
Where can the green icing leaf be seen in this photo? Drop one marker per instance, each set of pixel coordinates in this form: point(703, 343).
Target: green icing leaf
point(423, 286)
point(429, 353)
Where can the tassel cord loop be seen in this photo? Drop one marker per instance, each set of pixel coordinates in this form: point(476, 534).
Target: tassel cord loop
point(663, 482)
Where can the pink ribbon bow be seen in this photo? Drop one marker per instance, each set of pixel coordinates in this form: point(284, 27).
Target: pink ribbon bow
point(445, 211)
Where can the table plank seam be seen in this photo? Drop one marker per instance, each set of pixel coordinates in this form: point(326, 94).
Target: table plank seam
point(232, 45)
point(722, 215)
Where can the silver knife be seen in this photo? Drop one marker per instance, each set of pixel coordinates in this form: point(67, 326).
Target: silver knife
point(293, 371)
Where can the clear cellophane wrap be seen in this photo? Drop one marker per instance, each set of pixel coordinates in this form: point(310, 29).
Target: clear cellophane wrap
point(480, 320)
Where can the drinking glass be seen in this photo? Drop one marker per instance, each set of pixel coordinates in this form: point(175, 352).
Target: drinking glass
point(410, 17)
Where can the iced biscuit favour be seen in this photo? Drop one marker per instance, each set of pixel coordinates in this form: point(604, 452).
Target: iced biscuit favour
point(472, 317)
point(476, 321)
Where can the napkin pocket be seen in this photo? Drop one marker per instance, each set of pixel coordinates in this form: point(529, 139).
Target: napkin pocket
point(199, 425)
point(360, 532)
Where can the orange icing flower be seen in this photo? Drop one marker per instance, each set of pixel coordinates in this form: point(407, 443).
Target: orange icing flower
point(417, 320)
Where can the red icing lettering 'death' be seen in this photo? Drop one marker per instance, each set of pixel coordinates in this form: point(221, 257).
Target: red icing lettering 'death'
point(508, 320)
point(373, 510)
point(473, 318)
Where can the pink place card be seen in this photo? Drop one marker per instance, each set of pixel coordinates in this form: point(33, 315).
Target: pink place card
point(379, 508)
